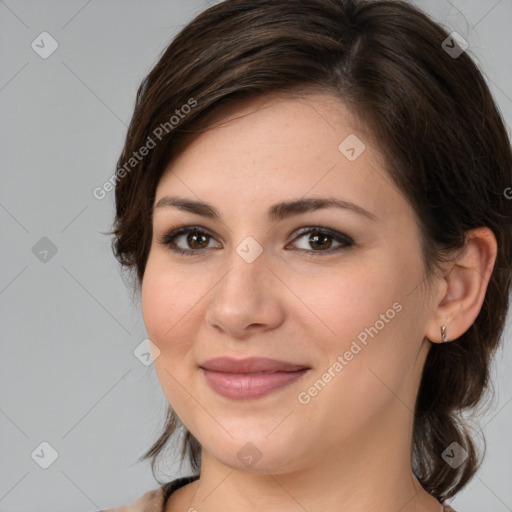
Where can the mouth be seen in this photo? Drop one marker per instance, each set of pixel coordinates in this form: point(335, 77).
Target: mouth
point(250, 378)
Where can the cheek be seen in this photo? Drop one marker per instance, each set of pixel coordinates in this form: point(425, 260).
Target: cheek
point(166, 307)
point(164, 295)
point(167, 313)
point(343, 303)
point(370, 318)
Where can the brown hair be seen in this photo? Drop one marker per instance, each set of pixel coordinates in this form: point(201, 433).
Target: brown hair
point(431, 113)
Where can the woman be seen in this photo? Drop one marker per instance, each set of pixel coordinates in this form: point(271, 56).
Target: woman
point(312, 195)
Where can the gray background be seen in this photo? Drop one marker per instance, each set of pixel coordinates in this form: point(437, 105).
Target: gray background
point(68, 373)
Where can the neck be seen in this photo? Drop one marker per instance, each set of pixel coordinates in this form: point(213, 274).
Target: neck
point(371, 473)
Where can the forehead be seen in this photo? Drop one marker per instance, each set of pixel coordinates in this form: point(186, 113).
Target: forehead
point(271, 148)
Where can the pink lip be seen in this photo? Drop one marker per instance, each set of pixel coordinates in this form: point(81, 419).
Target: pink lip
point(253, 377)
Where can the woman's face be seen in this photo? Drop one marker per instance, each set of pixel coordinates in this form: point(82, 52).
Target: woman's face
point(337, 291)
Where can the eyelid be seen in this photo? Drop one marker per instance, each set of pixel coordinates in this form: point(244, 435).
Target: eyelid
point(334, 233)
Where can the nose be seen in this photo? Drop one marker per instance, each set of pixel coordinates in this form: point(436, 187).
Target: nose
point(247, 299)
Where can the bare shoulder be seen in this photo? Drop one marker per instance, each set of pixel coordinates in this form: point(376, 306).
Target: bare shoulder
point(447, 508)
point(150, 501)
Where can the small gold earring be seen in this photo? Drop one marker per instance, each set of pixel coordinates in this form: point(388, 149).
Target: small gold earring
point(443, 334)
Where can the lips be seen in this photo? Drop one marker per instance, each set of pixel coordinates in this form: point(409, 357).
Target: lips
point(250, 378)
point(250, 365)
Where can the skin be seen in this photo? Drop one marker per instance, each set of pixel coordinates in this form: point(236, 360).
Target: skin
point(348, 448)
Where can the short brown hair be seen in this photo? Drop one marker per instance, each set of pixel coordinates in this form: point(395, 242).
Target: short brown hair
point(432, 115)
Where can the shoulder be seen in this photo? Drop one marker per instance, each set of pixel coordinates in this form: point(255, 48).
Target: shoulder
point(154, 500)
point(447, 508)
point(151, 501)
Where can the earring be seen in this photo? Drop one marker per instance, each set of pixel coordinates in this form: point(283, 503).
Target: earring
point(443, 334)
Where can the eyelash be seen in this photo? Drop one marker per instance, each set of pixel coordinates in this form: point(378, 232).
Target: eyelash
point(168, 239)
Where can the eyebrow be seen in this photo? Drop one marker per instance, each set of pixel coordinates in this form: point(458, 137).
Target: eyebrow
point(275, 213)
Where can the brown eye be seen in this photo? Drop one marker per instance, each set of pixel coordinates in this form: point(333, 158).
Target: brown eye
point(321, 240)
point(194, 240)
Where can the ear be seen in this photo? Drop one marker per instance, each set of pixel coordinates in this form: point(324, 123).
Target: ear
point(460, 293)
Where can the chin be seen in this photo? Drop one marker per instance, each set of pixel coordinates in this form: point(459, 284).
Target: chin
point(254, 453)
